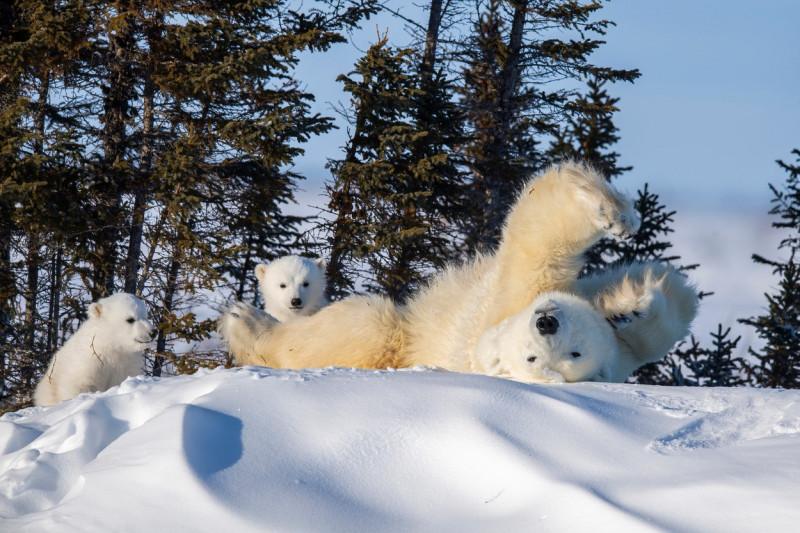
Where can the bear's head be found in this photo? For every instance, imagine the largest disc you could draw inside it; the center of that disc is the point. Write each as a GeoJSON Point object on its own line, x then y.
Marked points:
{"type": "Point", "coordinates": [292, 286]}
{"type": "Point", "coordinates": [119, 323]}
{"type": "Point", "coordinates": [560, 337]}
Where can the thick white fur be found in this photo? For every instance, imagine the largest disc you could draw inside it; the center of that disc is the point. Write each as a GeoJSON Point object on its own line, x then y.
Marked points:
{"type": "Point", "coordinates": [554, 219]}
{"type": "Point", "coordinates": [292, 286]}
{"type": "Point", "coordinates": [613, 323]}
{"type": "Point", "coordinates": [107, 348]}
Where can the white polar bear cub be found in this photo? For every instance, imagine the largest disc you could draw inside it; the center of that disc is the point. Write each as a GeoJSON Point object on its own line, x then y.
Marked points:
{"type": "Point", "coordinates": [107, 348]}
{"type": "Point", "coordinates": [292, 286]}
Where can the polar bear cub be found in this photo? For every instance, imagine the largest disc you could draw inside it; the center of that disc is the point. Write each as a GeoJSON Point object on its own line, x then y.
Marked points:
{"type": "Point", "coordinates": [292, 286]}
{"type": "Point", "coordinates": [107, 348]}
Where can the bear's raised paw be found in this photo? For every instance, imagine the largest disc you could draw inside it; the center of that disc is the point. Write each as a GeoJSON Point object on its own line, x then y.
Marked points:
{"type": "Point", "coordinates": [614, 212]}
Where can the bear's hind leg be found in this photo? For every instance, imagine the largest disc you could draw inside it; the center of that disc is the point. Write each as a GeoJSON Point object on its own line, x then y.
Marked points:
{"type": "Point", "coordinates": [241, 326]}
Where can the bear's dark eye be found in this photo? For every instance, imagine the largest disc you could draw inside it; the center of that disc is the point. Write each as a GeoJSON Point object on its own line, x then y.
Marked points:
{"type": "Point", "coordinates": [131, 320]}
{"type": "Point", "coordinates": [283, 285]}
{"type": "Point", "coordinates": [532, 359]}
{"type": "Point", "coordinates": [575, 354]}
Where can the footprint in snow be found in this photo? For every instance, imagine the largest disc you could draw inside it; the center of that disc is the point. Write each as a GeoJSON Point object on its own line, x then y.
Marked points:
{"type": "Point", "coordinates": [750, 420]}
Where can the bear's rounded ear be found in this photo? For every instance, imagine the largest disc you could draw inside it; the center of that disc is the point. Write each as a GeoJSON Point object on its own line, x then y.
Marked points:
{"type": "Point", "coordinates": [95, 310]}
{"type": "Point", "coordinates": [261, 271]}
{"type": "Point", "coordinates": [321, 263]}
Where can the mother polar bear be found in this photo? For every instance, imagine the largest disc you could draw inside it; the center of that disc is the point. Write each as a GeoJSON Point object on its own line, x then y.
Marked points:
{"type": "Point", "coordinates": [520, 312]}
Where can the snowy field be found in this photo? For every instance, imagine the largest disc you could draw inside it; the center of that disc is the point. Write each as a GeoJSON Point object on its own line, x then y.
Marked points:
{"type": "Point", "coordinates": [255, 449]}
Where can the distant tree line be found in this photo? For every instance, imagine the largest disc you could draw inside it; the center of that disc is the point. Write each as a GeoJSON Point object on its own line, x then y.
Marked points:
{"type": "Point", "coordinates": [149, 147]}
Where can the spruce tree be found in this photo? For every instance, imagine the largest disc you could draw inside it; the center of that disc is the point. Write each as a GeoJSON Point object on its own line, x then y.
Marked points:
{"type": "Point", "coordinates": [387, 233]}
{"type": "Point", "coordinates": [650, 243]}
{"type": "Point", "coordinates": [777, 363]}
{"type": "Point", "coordinates": [436, 112]}
{"type": "Point", "coordinates": [10, 138]}
{"type": "Point", "coordinates": [511, 102]}
{"type": "Point", "coordinates": [167, 152]}
{"type": "Point", "coordinates": [589, 132]}
{"type": "Point", "coordinates": [235, 119]}
{"type": "Point", "coordinates": [9, 147]}
{"type": "Point", "coordinates": [41, 191]}
{"type": "Point", "coordinates": [709, 367]}
{"type": "Point", "coordinates": [500, 151]}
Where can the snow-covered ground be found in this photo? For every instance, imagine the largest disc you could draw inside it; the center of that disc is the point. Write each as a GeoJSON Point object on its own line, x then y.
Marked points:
{"type": "Point", "coordinates": [255, 449]}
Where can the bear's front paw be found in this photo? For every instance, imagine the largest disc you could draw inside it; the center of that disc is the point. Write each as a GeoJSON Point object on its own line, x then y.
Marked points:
{"type": "Point", "coordinates": [633, 300]}
{"type": "Point", "coordinates": [623, 320]}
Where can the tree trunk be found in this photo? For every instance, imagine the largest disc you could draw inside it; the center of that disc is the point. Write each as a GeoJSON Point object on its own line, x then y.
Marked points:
{"type": "Point", "coordinates": [342, 204]}
{"type": "Point", "coordinates": [55, 300]}
{"type": "Point", "coordinates": [431, 41]}
{"type": "Point", "coordinates": [497, 188]}
{"type": "Point", "coordinates": [31, 301]}
{"type": "Point", "coordinates": [33, 256]}
{"type": "Point", "coordinates": [7, 293]}
{"type": "Point", "coordinates": [511, 73]}
{"type": "Point", "coordinates": [248, 261]}
{"type": "Point", "coordinates": [8, 90]}
{"type": "Point", "coordinates": [169, 296]}
{"type": "Point", "coordinates": [133, 262]}
{"type": "Point", "coordinates": [119, 90]}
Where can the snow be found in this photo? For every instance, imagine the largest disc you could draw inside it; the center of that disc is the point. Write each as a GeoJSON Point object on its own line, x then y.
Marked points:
{"type": "Point", "coordinates": [256, 449]}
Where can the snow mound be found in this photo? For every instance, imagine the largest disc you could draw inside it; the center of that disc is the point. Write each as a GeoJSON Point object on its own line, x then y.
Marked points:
{"type": "Point", "coordinates": [256, 449]}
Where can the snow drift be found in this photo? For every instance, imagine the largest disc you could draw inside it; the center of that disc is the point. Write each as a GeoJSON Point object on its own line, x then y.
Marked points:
{"type": "Point", "coordinates": [255, 449]}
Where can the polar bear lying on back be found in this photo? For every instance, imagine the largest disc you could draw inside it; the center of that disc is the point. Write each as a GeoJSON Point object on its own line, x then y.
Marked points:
{"type": "Point", "coordinates": [484, 316]}
{"type": "Point", "coordinates": [107, 348]}
{"type": "Point", "coordinates": [612, 324]}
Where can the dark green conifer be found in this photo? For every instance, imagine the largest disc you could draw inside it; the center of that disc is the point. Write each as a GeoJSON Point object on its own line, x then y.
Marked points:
{"type": "Point", "coordinates": [777, 363]}
{"type": "Point", "coordinates": [589, 132]}
{"type": "Point", "coordinates": [165, 159]}
{"type": "Point", "coordinates": [712, 367]}
{"type": "Point", "coordinates": [650, 243]}
{"type": "Point", "coordinates": [510, 101]}
{"type": "Point", "coordinates": [388, 232]}
{"type": "Point", "coordinates": [42, 173]}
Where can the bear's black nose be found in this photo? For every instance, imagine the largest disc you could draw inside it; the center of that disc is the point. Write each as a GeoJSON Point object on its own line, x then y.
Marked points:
{"type": "Point", "coordinates": [297, 302]}
{"type": "Point", "coordinates": [547, 325]}
{"type": "Point", "coordinates": [153, 333]}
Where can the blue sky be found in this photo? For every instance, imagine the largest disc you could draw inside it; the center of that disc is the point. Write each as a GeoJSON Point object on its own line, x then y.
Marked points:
{"type": "Point", "coordinates": [717, 103]}
{"type": "Point", "coordinates": [719, 97]}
